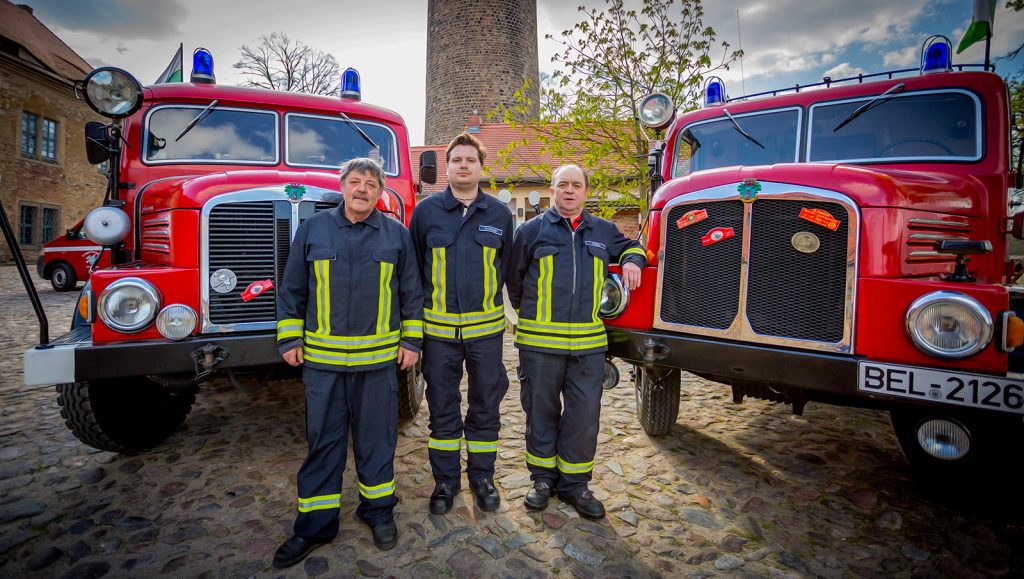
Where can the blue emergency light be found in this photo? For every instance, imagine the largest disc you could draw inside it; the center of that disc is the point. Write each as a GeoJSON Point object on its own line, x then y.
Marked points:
{"type": "Point", "coordinates": [202, 67]}
{"type": "Point", "coordinates": [350, 84]}
{"type": "Point", "coordinates": [936, 55]}
{"type": "Point", "coordinates": [714, 92]}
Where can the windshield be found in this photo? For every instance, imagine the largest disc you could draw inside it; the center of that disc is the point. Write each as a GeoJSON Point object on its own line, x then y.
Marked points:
{"type": "Point", "coordinates": [917, 126]}
{"type": "Point", "coordinates": [717, 143]}
{"type": "Point", "coordinates": [224, 136]}
{"type": "Point", "coordinates": [327, 142]}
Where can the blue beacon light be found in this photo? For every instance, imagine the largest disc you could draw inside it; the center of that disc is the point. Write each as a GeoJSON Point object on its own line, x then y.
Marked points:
{"type": "Point", "coordinates": [936, 56]}
{"type": "Point", "coordinates": [202, 67]}
{"type": "Point", "coordinates": [714, 92]}
{"type": "Point", "coordinates": [350, 84]}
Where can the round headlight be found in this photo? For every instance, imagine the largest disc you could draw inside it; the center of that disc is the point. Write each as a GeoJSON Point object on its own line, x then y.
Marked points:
{"type": "Point", "coordinates": [113, 92]}
{"type": "Point", "coordinates": [129, 304]}
{"type": "Point", "coordinates": [949, 325]}
{"type": "Point", "coordinates": [656, 110]}
{"type": "Point", "coordinates": [944, 439]}
{"type": "Point", "coordinates": [176, 321]}
{"type": "Point", "coordinates": [106, 225]}
{"type": "Point", "coordinates": [614, 297]}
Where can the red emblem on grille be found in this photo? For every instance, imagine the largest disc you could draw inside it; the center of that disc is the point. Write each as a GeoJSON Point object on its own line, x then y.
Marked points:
{"type": "Point", "coordinates": [820, 217]}
{"type": "Point", "coordinates": [717, 234]}
{"type": "Point", "coordinates": [692, 217]}
{"type": "Point", "coordinates": [256, 288]}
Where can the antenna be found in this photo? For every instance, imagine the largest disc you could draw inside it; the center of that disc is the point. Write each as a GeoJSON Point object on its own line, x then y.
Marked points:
{"type": "Point", "coordinates": [743, 85]}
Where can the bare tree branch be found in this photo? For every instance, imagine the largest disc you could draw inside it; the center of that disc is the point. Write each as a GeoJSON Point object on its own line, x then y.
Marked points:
{"type": "Point", "coordinates": [278, 62]}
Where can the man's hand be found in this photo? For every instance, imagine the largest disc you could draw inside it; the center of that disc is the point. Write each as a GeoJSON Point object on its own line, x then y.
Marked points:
{"type": "Point", "coordinates": [407, 358]}
{"type": "Point", "coordinates": [631, 275]}
{"type": "Point", "coordinates": [294, 356]}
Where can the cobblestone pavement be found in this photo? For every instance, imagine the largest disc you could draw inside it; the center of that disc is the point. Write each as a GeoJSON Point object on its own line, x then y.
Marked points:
{"type": "Point", "coordinates": [734, 490]}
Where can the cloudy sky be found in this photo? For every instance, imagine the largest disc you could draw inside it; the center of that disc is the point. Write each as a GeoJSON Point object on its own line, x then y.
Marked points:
{"type": "Point", "coordinates": [785, 41]}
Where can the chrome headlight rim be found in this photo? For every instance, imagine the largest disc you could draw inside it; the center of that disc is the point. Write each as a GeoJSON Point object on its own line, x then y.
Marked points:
{"type": "Point", "coordinates": [615, 312]}
{"type": "Point", "coordinates": [670, 111]}
{"type": "Point", "coordinates": [137, 282]}
{"type": "Point", "coordinates": [919, 305]}
{"type": "Point", "coordinates": [165, 312]}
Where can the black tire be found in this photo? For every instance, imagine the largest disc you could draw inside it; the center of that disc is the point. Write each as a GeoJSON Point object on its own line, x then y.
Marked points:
{"type": "Point", "coordinates": [127, 415]}
{"type": "Point", "coordinates": [657, 400]}
{"type": "Point", "coordinates": [411, 385]}
{"type": "Point", "coordinates": [62, 277]}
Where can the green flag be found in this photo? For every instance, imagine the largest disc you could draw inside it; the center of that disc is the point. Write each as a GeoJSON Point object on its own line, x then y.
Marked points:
{"type": "Point", "coordinates": [981, 24]}
{"type": "Point", "coordinates": [173, 71]}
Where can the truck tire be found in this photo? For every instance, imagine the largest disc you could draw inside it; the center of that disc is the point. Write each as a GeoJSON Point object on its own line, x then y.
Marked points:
{"type": "Point", "coordinates": [410, 393]}
{"type": "Point", "coordinates": [657, 399]}
{"type": "Point", "coordinates": [62, 277]}
{"type": "Point", "coordinates": [127, 415]}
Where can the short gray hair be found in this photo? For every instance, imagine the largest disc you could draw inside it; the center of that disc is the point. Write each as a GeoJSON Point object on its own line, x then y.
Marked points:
{"type": "Point", "coordinates": [586, 178]}
{"type": "Point", "coordinates": [363, 165]}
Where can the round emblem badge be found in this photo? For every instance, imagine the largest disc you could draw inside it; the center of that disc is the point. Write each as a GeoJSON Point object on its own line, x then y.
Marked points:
{"type": "Point", "coordinates": [805, 242]}
{"type": "Point", "coordinates": [717, 235]}
{"type": "Point", "coordinates": [223, 280]}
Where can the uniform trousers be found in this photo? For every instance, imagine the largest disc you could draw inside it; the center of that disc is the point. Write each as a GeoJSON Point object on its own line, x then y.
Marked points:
{"type": "Point", "coordinates": [561, 395]}
{"type": "Point", "coordinates": [368, 402]}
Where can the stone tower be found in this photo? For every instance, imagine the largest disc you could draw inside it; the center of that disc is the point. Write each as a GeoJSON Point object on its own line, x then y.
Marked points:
{"type": "Point", "coordinates": [479, 52]}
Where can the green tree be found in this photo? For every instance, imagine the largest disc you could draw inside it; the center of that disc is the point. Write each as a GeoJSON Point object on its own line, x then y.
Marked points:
{"type": "Point", "coordinates": [607, 63]}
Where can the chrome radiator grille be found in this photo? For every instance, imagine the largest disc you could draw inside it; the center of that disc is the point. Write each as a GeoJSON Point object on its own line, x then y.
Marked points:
{"type": "Point", "coordinates": [780, 279]}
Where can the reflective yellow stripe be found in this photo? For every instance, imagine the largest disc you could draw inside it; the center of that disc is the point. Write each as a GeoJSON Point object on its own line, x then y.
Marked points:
{"type": "Point", "coordinates": [598, 287]}
{"type": "Point", "coordinates": [319, 503]}
{"type": "Point", "coordinates": [490, 277]}
{"type": "Point", "coordinates": [547, 265]}
{"type": "Point", "coordinates": [384, 299]}
{"type": "Point", "coordinates": [440, 269]}
{"type": "Point", "coordinates": [412, 329]}
{"type": "Point", "coordinates": [538, 461]}
{"type": "Point", "coordinates": [571, 328]}
{"type": "Point", "coordinates": [349, 359]}
{"type": "Point", "coordinates": [562, 344]}
{"type": "Point", "coordinates": [484, 329]}
{"type": "Point", "coordinates": [322, 269]}
{"type": "Point", "coordinates": [378, 491]}
{"type": "Point", "coordinates": [457, 319]}
{"type": "Point", "coordinates": [481, 446]}
{"type": "Point", "coordinates": [290, 328]}
{"type": "Point", "coordinates": [439, 331]}
{"type": "Point", "coordinates": [440, 444]}
{"type": "Point", "coordinates": [632, 251]}
{"type": "Point", "coordinates": [352, 342]}
{"type": "Point", "coordinates": [574, 467]}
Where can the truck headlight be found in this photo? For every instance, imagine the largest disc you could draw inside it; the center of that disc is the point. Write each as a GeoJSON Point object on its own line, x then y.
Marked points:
{"type": "Point", "coordinates": [949, 325]}
{"type": "Point", "coordinates": [614, 297]}
{"type": "Point", "coordinates": [129, 304]}
{"type": "Point", "coordinates": [176, 321]}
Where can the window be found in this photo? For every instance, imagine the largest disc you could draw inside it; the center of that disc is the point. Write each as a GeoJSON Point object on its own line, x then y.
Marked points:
{"type": "Point", "coordinates": [717, 142]}
{"type": "Point", "coordinates": [224, 135]}
{"type": "Point", "coordinates": [49, 140]}
{"type": "Point", "coordinates": [37, 224]}
{"type": "Point", "coordinates": [26, 225]}
{"type": "Point", "coordinates": [51, 217]}
{"type": "Point", "coordinates": [328, 142]}
{"type": "Point", "coordinates": [38, 137]}
{"type": "Point", "coordinates": [29, 134]}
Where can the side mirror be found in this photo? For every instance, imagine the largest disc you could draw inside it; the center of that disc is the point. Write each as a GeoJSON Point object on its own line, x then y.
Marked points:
{"type": "Point", "coordinates": [71, 234]}
{"type": "Point", "coordinates": [97, 146]}
{"type": "Point", "coordinates": [428, 167]}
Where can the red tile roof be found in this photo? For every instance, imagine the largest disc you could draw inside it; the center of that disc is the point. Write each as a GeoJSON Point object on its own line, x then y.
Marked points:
{"type": "Point", "coordinates": [48, 50]}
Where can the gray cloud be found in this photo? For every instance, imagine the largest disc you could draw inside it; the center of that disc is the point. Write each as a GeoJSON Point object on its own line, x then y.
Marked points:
{"type": "Point", "coordinates": [126, 19]}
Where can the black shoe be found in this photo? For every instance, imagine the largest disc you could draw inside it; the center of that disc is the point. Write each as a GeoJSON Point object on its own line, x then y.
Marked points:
{"type": "Point", "coordinates": [385, 535]}
{"type": "Point", "coordinates": [487, 498]}
{"type": "Point", "coordinates": [293, 551]}
{"type": "Point", "coordinates": [442, 498]}
{"type": "Point", "coordinates": [584, 502]}
{"type": "Point", "coordinates": [537, 497]}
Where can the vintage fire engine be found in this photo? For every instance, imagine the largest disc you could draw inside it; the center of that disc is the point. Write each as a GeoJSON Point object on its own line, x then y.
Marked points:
{"type": "Point", "coordinates": [844, 243]}
{"type": "Point", "coordinates": [207, 186]}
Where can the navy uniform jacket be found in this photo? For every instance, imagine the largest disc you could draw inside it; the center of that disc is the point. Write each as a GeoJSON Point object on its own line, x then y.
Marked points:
{"type": "Point", "coordinates": [556, 277]}
{"type": "Point", "coordinates": [463, 261]}
{"type": "Point", "coordinates": [351, 293]}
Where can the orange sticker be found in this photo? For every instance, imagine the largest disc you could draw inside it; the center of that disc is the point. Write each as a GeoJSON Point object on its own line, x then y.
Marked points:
{"type": "Point", "coordinates": [820, 217]}
{"type": "Point", "coordinates": [717, 234]}
{"type": "Point", "coordinates": [692, 217]}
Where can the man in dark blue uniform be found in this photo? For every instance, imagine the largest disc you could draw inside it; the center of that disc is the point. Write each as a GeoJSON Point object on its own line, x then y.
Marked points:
{"type": "Point", "coordinates": [349, 309]}
{"type": "Point", "coordinates": [559, 262]}
{"type": "Point", "coordinates": [463, 240]}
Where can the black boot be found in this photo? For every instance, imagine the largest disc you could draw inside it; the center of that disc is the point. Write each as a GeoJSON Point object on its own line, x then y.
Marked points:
{"type": "Point", "coordinates": [487, 498]}
{"type": "Point", "coordinates": [293, 551]}
{"type": "Point", "coordinates": [584, 502]}
{"type": "Point", "coordinates": [443, 496]}
{"type": "Point", "coordinates": [385, 535]}
{"type": "Point", "coordinates": [537, 497]}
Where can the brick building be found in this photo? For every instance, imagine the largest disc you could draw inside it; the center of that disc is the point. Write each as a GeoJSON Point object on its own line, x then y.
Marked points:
{"type": "Point", "coordinates": [46, 184]}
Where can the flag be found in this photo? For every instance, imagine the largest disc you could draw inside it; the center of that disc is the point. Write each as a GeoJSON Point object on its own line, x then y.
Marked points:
{"type": "Point", "coordinates": [173, 71]}
{"type": "Point", "coordinates": [981, 24]}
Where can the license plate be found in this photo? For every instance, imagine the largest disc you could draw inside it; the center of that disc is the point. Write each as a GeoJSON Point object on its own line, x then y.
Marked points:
{"type": "Point", "coordinates": [973, 390]}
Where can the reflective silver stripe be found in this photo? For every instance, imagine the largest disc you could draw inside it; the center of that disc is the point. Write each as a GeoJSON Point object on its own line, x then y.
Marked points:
{"type": "Point", "coordinates": [353, 341]}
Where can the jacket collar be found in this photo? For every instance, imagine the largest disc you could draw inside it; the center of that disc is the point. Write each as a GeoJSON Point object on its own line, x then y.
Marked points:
{"type": "Point", "coordinates": [554, 216]}
{"type": "Point", "coordinates": [373, 220]}
{"type": "Point", "coordinates": [450, 202]}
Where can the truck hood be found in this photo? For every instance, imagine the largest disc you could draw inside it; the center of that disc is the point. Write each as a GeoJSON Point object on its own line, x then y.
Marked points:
{"type": "Point", "coordinates": [944, 192]}
{"type": "Point", "coordinates": [195, 191]}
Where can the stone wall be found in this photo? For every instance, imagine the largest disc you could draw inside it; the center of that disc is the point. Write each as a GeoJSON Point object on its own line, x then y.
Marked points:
{"type": "Point", "coordinates": [479, 52]}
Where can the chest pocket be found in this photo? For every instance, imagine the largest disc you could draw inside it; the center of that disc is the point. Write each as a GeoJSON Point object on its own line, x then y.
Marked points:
{"type": "Point", "coordinates": [545, 258]}
{"type": "Point", "coordinates": [490, 244]}
{"type": "Point", "coordinates": [386, 259]}
{"type": "Point", "coordinates": [321, 261]}
{"type": "Point", "coordinates": [438, 243]}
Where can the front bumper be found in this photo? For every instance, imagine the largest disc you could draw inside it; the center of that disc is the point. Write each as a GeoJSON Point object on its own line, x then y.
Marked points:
{"type": "Point", "coordinates": [74, 358]}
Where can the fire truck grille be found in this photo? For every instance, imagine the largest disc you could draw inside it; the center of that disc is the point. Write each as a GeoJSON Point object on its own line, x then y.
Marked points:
{"type": "Point", "coordinates": [702, 283]}
{"type": "Point", "coordinates": [242, 239]}
{"type": "Point", "coordinates": [793, 293]}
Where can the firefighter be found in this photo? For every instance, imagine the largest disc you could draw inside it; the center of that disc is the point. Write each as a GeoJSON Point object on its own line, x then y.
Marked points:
{"type": "Point", "coordinates": [349, 309]}
{"type": "Point", "coordinates": [559, 262]}
{"type": "Point", "coordinates": [463, 241]}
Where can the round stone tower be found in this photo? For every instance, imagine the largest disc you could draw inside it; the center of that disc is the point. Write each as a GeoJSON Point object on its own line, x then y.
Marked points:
{"type": "Point", "coordinates": [479, 52]}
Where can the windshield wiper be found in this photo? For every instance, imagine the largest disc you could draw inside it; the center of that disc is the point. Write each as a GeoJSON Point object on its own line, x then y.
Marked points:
{"type": "Point", "coordinates": [362, 134]}
{"type": "Point", "coordinates": [740, 129]}
{"type": "Point", "coordinates": [864, 107]}
{"type": "Point", "coordinates": [202, 115]}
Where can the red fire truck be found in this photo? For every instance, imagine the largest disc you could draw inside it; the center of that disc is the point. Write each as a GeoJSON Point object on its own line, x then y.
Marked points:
{"type": "Point", "coordinates": [844, 243]}
{"type": "Point", "coordinates": [207, 185]}
{"type": "Point", "coordinates": [67, 260]}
